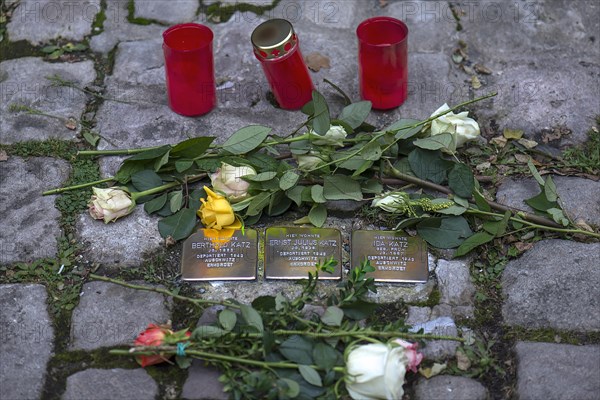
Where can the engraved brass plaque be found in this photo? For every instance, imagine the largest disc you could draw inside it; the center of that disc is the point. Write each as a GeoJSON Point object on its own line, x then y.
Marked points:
{"type": "Point", "coordinates": [291, 253]}
{"type": "Point", "coordinates": [207, 258]}
{"type": "Point", "coordinates": [395, 256]}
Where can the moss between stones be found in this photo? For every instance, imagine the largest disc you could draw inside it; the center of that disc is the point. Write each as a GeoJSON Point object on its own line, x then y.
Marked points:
{"type": "Point", "coordinates": [551, 336]}
{"type": "Point", "coordinates": [138, 21]}
{"type": "Point", "coordinates": [432, 301]}
{"type": "Point", "coordinates": [98, 24]}
{"type": "Point", "coordinates": [217, 12]}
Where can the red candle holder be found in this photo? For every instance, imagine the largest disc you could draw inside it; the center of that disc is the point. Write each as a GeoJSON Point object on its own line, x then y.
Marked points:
{"type": "Point", "coordinates": [189, 69]}
{"type": "Point", "coordinates": [383, 61]}
{"type": "Point", "coordinates": [277, 48]}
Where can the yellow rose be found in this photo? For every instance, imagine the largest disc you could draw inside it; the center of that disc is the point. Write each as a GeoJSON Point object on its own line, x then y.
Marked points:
{"type": "Point", "coordinates": [216, 212]}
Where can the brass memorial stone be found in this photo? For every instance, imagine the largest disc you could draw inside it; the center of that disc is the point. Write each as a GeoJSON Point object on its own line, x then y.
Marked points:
{"type": "Point", "coordinates": [207, 258]}
{"type": "Point", "coordinates": [395, 256]}
{"type": "Point", "coordinates": [290, 253]}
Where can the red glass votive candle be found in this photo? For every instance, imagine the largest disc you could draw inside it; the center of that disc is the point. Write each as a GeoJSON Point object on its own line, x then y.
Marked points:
{"type": "Point", "coordinates": [383, 61]}
{"type": "Point", "coordinates": [276, 47]}
{"type": "Point", "coordinates": [189, 69]}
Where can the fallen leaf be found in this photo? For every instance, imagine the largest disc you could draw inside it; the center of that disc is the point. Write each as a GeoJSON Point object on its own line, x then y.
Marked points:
{"type": "Point", "coordinates": [3, 155]}
{"type": "Point", "coordinates": [315, 61]}
{"type": "Point", "coordinates": [462, 361]}
{"type": "Point", "coordinates": [457, 58]}
{"type": "Point", "coordinates": [475, 82]}
{"type": "Point", "coordinates": [522, 158]}
{"type": "Point", "coordinates": [581, 224]}
{"type": "Point", "coordinates": [383, 3]}
{"type": "Point", "coordinates": [169, 241]}
{"type": "Point", "coordinates": [482, 69]}
{"type": "Point", "coordinates": [71, 123]}
{"type": "Point", "coordinates": [512, 133]}
{"type": "Point", "coordinates": [529, 144]}
{"type": "Point", "coordinates": [523, 246]}
{"type": "Point", "coordinates": [499, 141]}
{"type": "Point", "coordinates": [434, 370]}
{"type": "Point", "coordinates": [555, 134]}
{"type": "Point", "coordinates": [467, 69]}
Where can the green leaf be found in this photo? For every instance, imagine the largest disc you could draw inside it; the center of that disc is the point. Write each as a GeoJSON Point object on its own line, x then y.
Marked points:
{"type": "Point", "coordinates": [288, 180]}
{"type": "Point", "coordinates": [325, 356]}
{"type": "Point", "coordinates": [295, 194]}
{"type": "Point", "coordinates": [160, 161]}
{"type": "Point", "coordinates": [452, 210]}
{"type": "Point", "coordinates": [262, 177]}
{"type": "Point", "coordinates": [371, 151]}
{"type": "Point", "coordinates": [558, 216]}
{"type": "Point", "coordinates": [257, 204]}
{"type": "Point", "coordinates": [178, 226]}
{"type": "Point", "coordinates": [194, 198]}
{"type": "Point", "coordinates": [472, 242]}
{"type": "Point", "coordinates": [156, 204]}
{"type": "Point", "coordinates": [246, 139]}
{"type": "Point", "coordinates": [371, 186]}
{"type": "Point", "coordinates": [535, 172]}
{"type": "Point", "coordinates": [403, 128]}
{"type": "Point", "coordinates": [207, 332]}
{"type": "Point", "coordinates": [429, 165]}
{"type": "Point", "coordinates": [318, 215]}
{"type": "Point", "coordinates": [183, 165]}
{"type": "Point", "coordinates": [176, 201]}
{"type": "Point", "coordinates": [316, 192]}
{"type": "Point", "coordinates": [227, 319]}
{"type": "Point", "coordinates": [355, 113]}
{"type": "Point", "coordinates": [541, 203]}
{"type": "Point", "coordinates": [192, 148]}
{"type": "Point", "coordinates": [321, 121]}
{"type": "Point", "coordinates": [91, 137]}
{"type": "Point", "coordinates": [461, 201]}
{"type": "Point", "coordinates": [310, 375]}
{"type": "Point", "coordinates": [183, 362]}
{"type": "Point", "coordinates": [333, 316]}
{"type": "Point", "coordinates": [263, 162]}
{"type": "Point", "coordinates": [55, 54]}
{"type": "Point", "coordinates": [359, 309]}
{"type": "Point", "coordinates": [461, 180]}
{"type": "Point", "coordinates": [503, 224]}
{"type": "Point", "coordinates": [550, 189]}
{"type": "Point", "coordinates": [444, 233]}
{"type": "Point", "coordinates": [481, 202]}
{"type": "Point", "coordinates": [264, 303]}
{"type": "Point", "coordinates": [145, 179]}
{"type": "Point", "coordinates": [290, 388]}
{"type": "Point", "coordinates": [278, 204]}
{"type": "Point", "coordinates": [297, 349]}
{"type": "Point", "coordinates": [362, 168]}
{"type": "Point", "coordinates": [50, 49]}
{"type": "Point", "coordinates": [435, 142]}
{"type": "Point", "coordinates": [150, 154]}
{"type": "Point", "coordinates": [341, 187]}
{"type": "Point", "coordinates": [252, 317]}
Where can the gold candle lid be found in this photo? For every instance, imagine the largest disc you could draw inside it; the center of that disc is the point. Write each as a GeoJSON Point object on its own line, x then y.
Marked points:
{"type": "Point", "coordinates": [273, 39]}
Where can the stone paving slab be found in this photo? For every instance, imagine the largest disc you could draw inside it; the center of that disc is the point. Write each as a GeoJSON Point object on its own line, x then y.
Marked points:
{"type": "Point", "coordinates": [26, 336]}
{"type": "Point", "coordinates": [110, 315]}
{"type": "Point", "coordinates": [104, 384]}
{"type": "Point", "coordinates": [202, 383]}
{"type": "Point", "coordinates": [554, 285]}
{"type": "Point", "coordinates": [169, 12]}
{"type": "Point", "coordinates": [445, 387]}
{"type": "Point", "coordinates": [117, 29]}
{"type": "Point", "coordinates": [579, 196]}
{"type": "Point", "coordinates": [25, 235]}
{"type": "Point", "coordinates": [557, 371]}
{"type": "Point", "coordinates": [121, 243]}
{"type": "Point", "coordinates": [39, 21]}
{"type": "Point", "coordinates": [23, 82]}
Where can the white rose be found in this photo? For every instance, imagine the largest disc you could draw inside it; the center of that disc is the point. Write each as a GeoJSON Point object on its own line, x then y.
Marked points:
{"type": "Point", "coordinates": [459, 125]}
{"type": "Point", "coordinates": [308, 162]}
{"type": "Point", "coordinates": [228, 180]}
{"type": "Point", "coordinates": [110, 204]}
{"type": "Point", "coordinates": [393, 202]}
{"type": "Point", "coordinates": [376, 371]}
{"type": "Point", "coordinates": [334, 137]}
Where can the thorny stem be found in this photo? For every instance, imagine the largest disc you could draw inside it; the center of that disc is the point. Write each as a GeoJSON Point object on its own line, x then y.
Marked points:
{"type": "Point", "coordinates": [75, 187]}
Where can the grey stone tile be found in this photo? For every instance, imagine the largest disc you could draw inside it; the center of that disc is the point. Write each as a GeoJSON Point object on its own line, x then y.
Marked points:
{"type": "Point", "coordinates": [554, 285]}
{"type": "Point", "coordinates": [202, 383]}
{"type": "Point", "coordinates": [455, 283]}
{"type": "Point", "coordinates": [44, 20]}
{"type": "Point", "coordinates": [26, 337]}
{"type": "Point", "coordinates": [102, 384]}
{"type": "Point", "coordinates": [110, 315]}
{"type": "Point", "coordinates": [169, 12]}
{"type": "Point", "coordinates": [578, 196]}
{"type": "Point", "coordinates": [23, 82]}
{"type": "Point", "coordinates": [445, 387]}
{"type": "Point", "coordinates": [122, 243]}
{"type": "Point", "coordinates": [557, 371]}
{"type": "Point", "coordinates": [30, 221]}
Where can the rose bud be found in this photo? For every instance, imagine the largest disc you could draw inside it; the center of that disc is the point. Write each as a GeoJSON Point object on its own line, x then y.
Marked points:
{"type": "Point", "coordinates": [228, 180]}
{"type": "Point", "coordinates": [216, 212]}
{"type": "Point", "coordinates": [459, 125]}
{"type": "Point", "coordinates": [154, 335]}
{"type": "Point", "coordinates": [110, 204]}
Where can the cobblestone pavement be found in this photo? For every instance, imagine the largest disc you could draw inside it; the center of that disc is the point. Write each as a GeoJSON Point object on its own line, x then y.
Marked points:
{"type": "Point", "coordinates": [544, 61]}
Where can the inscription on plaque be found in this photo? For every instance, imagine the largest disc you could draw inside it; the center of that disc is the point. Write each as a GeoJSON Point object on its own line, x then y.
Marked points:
{"type": "Point", "coordinates": [395, 256]}
{"type": "Point", "coordinates": [291, 253]}
{"type": "Point", "coordinates": [207, 256]}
